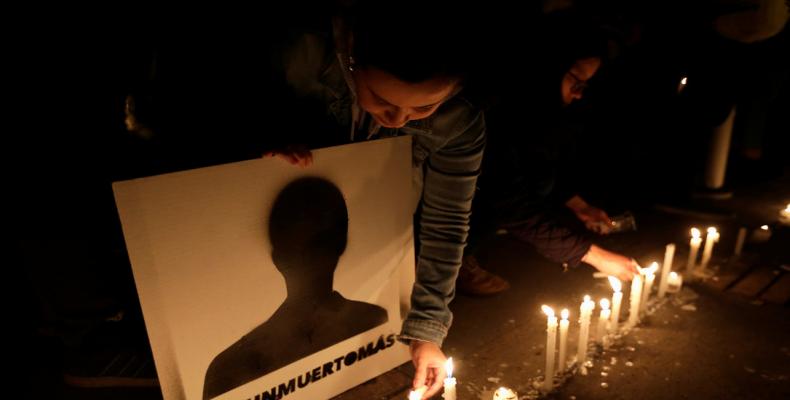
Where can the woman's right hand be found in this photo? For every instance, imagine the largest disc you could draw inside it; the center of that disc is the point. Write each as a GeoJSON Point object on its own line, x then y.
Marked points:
{"type": "Point", "coordinates": [296, 154]}
{"type": "Point", "coordinates": [611, 263]}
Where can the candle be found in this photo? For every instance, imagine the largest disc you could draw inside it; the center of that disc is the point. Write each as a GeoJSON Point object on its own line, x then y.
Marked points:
{"type": "Point", "coordinates": [617, 300]}
{"type": "Point", "coordinates": [563, 337]}
{"type": "Point", "coordinates": [682, 84]}
{"type": "Point", "coordinates": [417, 394]}
{"type": "Point", "coordinates": [675, 282]}
{"type": "Point", "coordinates": [669, 256]}
{"type": "Point", "coordinates": [504, 393]}
{"type": "Point", "coordinates": [707, 252]}
{"type": "Point", "coordinates": [740, 241]}
{"type": "Point", "coordinates": [551, 338]}
{"type": "Point", "coordinates": [449, 382]}
{"type": "Point", "coordinates": [762, 234]}
{"type": "Point", "coordinates": [603, 319]}
{"type": "Point", "coordinates": [650, 276]}
{"type": "Point", "coordinates": [696, 240]}
{"type": "Point", "coordinates": [584, 328]}
{"type": "Point", "coordinates": [634, 299]}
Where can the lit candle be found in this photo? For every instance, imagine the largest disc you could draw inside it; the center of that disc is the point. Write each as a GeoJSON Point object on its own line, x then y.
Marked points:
{"type": "Point", "coordinates": [449, 382]}
{"type": "Point", "coordinates": [696, 240]}
{"type": "Point", "coordinates": [634, 299]}
{"type": "Point", "coordinates": [682, 84]}
{"type": "Point", "coordinates": [762, 234]}
{"type": "Point", "coordinates": [584, 328]}
{"type": "Point", "coordinates": [563, 338]}
{"type": "Point", "coordinates": [650, 276]}
{"type": "Point", "coordinates": [603, 319]}
{"type": "Point", "coordinates": [504, 393]}
{"type": "Point", "coordinates": [669, 256]}
{"type": "Point", "coordinates": [784, 216]}
{"type": "Point", "coordinates": [707, 252]}
{"type": "Point", "coordinates": [417, 394]}
{"type": "Point", "coordinates": [617, 300]}
{"type": "Point", "coordinates": [740, 241]}
{"type": "Point", "coordinates": [551, 339]}
{"type": "Point", "coordinates": [675, 282]}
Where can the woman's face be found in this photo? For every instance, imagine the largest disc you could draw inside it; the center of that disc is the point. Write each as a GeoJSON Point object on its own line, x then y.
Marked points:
{"type": "Point", "coordinates": [393, 102]}
{"type": "Point", "coordinates": [575, 80]}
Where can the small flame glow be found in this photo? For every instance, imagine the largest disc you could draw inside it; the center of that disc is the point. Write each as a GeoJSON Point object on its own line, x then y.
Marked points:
{"type": "Point", "coordinates": [547, 310]}
{"type": "Point", "coordinates": [695, 233]}
{"type": "Point", "coordinates": [417, 393]}
{"type": "Point", "coordinates": [587, 298]}
{"type": "Point", "coordinates": [673, 275]}
{"type": "Point", "coordinates": [683, 81]}
{"type": "Point", "coordinates": [604, 304]}
{"type": "Point", "coordinates": [788, 207]}
{"type": "Point", "coordinates": [711, 230]}
{"type": "Point", "coordinates": [616, 284]}
{"type": "Point", "coordinates": [764, 227]}
{"type": "Point", "coordinates": [504, 393]}
{"type": "Point", "coordinates": [448, 367]}
{"type": "Point", "coordinates": [651, 269]}
{"type": "Point", "coordinates": [565, 313]}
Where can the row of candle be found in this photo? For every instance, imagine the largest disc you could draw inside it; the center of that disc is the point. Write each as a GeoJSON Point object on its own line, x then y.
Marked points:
{"type": "Point", "coordinates": [608, 320]}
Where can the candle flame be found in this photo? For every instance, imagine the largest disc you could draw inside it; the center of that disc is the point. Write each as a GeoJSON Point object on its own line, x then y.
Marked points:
{"type": "Point", "coordinates": [616, 284]}
{"type": "Point", "coordinates": [504, 393]}
{"type": "Point", "coordinates": [604, 304]}
{"type": "Point", "coordinates": [586, 298]}
{"type": "Point", "coordinates": [764, 227]}
{"type": "Point", "coordinates": [448, 367]}
{"type": "Point", "coordinates": [673, 275]}
{"type": "Point", "coordinates": [416, 394]}
{"type": "Point", "coordinates": [695, 233]}
{"type": "Point", "coordinates": [788, 207]}
{"type": "Point", "coordinates": [711, 230]}
{"type": "Point", "coordinates": [547, 310]}
{"type": "Point", "coordinates": [565, 313]}
{"type": "Point", "coordinates": [651, 269]}
{"type": "Point", "coordinates": [683, 81]}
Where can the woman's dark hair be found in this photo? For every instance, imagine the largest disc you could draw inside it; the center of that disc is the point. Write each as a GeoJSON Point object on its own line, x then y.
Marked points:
{"type": "Point", "coordinates": [413, 40]}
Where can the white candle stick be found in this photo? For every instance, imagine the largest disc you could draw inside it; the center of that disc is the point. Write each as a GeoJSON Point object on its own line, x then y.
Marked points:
{"type": "Point", "coordinates": [449, 382]}
{"type": "Point", "coordinates": [634, 299]}
{"type": "Point", "coordinates": [584, 328]}
{"type": "Point", "coordinates": [740, 241]}
{"type": "Point", "coordinates": [675, 282]}
{"type": "Point", "coordinates": [504, 393]}
{"type": "Point", "coordinates": [603, 321]}
{"type": "Point", "coordinates": [650, 276]}
{"type": "Point", "coordinates": [707, 252]}
{"type": "Point", "coordinates": [417, 394]}
{"type": "Point", "coordinates": [617, 301]}
{"type": "Point", "coordinates": [563, 338]}
{"type": "Point", "coordinates": [669, 256]}
{"type": "Point", "coordinates": [551, 339]}
{"type": "Point", "coordinates": [696, 240]}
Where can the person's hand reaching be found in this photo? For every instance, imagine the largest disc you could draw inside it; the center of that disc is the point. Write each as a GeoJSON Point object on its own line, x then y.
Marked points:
{"type": "Point", "coordinates": [611, 263]}
{"type": "Point", "coordinates": [428, 361]}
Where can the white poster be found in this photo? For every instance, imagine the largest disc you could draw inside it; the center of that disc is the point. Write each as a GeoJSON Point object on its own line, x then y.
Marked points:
{"type": "Point", "coordinates": [263, 280]}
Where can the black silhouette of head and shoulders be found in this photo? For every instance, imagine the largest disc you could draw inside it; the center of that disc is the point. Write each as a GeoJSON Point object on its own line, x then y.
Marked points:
{"type": "Point", "coordinates": [308, 230]}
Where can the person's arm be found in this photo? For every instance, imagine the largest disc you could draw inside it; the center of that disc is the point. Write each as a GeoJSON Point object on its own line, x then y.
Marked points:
{"type": "Point", "coordinates": [559, 243]}
{"type": "Point", "coordinates": [450, 177]}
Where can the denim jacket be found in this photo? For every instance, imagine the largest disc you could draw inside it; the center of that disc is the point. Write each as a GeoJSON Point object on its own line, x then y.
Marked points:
{"type": "Point", "coordinates": [447, 155]}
